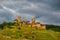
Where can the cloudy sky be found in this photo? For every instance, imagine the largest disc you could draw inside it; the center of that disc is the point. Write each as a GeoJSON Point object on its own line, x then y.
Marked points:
{"type": "Point", "coordinates": [44, 11]}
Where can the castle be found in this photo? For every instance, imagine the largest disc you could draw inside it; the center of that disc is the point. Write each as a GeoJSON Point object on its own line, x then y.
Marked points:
{"type": "Point", "coordinates": [29, 24]}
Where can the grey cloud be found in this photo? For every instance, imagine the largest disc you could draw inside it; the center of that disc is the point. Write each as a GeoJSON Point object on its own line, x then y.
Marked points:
{"type": "Point", "coordinates": [45, 11]}
{"type": "Point", "coordinates": [55, 4]}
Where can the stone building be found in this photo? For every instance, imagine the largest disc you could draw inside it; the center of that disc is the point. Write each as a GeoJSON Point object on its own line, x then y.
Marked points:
{"type": "Point", "coordinates": [37, 24]}
{"type": "Point", "coordinates": [33, 21]}
{"type": "Point", "coordinates": [28, 24]}
{"type": "Point", "coordinates": [15, 20]}
{"type": "Point", "coordinates": [19, 18]}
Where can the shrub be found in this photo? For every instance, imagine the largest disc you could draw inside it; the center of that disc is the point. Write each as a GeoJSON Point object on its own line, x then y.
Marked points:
{"type": "Point", "coordinates": [26, 36]}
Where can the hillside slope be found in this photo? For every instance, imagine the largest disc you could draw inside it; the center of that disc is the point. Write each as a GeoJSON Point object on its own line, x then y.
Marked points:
{"type": "Point", "coordinates": [10, 31]}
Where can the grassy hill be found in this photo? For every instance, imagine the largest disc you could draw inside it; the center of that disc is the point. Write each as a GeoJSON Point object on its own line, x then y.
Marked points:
{"type": "Point", "coordinates": [12, 31]}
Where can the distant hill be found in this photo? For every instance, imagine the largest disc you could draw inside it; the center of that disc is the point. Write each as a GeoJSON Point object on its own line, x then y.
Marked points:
{"type": "Point", "coordinates": [53, 27]}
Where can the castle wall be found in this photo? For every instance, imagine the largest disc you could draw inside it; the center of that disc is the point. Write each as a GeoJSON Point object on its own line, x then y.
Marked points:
{"type": "Point", "coordinates": [32, 24]}
{"type": "Point", "coordinates": [23, 24]}
{"type": "Point", "coordinates": [43, 27]}
{"type": "Point", "coordinates": [38, 25]}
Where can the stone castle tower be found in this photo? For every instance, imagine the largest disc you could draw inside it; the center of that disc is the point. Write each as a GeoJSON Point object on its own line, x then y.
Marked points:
{"type": "Point", "coordinates": [19, 18]}
{"type": "Point", "coordinates": [33, 21]}
{"type": "Point", "coordinates": [27, 23]}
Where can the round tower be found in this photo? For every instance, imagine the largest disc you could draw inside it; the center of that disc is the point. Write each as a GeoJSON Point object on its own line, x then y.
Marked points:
{"type": "Point", "coordinates": [33, 20]}
{"type": "Point", "coordinates": [19, 19]}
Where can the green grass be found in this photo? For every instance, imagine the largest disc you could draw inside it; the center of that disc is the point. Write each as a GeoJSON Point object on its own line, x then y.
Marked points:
{"type": "Point", "coordinates": [15, 32]}
{"type": "Point", "coordinates": [30, 34]}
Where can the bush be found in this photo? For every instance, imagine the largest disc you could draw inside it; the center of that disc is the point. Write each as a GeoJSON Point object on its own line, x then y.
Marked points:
{"type": "Point", "coordinates": [26, 36]}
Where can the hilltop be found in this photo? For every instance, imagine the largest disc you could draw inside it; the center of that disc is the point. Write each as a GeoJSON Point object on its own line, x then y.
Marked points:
{"type": "Point", "coordinates": [12, 31]}
{"type": "Point", "coordinates": [26, 30]}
